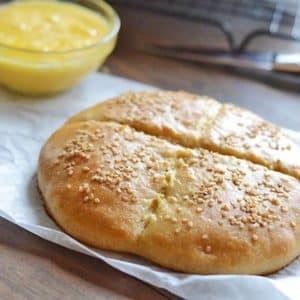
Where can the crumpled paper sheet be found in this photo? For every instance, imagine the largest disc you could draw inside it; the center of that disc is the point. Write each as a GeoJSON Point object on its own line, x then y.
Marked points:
{"type": "Point", "coordinates": [25, 124]}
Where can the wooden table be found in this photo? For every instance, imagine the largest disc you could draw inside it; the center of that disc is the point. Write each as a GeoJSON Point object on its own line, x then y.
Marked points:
{"type": "Point", "coordinates": [31, 268]}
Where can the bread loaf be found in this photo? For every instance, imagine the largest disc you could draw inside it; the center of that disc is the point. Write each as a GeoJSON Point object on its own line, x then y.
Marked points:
{"type": "Point", "coordinates": [167, 176]}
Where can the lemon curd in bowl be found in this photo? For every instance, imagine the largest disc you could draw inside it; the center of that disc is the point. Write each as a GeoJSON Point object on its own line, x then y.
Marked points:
{"type": "Point", "coordinates": [48, 46]}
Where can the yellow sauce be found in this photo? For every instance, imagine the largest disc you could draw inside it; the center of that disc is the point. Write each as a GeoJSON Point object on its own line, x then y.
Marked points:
{"type": "Point", "coordinates": [47, 46]}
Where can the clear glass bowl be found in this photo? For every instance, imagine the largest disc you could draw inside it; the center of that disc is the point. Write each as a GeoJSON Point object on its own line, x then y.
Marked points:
{"type": "Point", "coordinates": [39, 73]}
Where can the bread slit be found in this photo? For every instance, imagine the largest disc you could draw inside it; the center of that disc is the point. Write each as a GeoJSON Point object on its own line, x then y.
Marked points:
{"type": "Point", "coordinates": [201, 122]}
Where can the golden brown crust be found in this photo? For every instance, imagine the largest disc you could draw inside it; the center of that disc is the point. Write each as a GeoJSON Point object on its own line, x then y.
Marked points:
{"type": "Point", "coordinates": [199, 121]}
{"type": "Point", "coordinates": [177, 116]}
{"type": "Point", "coordinates": [115, 188]}
{"type": "Point", "coordinates": [243, 134]}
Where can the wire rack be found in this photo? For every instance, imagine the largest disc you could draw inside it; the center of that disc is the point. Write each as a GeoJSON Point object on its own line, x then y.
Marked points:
{"type": "Point", "coordinates": [276, 19]}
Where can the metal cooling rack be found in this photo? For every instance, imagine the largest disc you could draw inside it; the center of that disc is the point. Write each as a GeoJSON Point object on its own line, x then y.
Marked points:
{"type": "Point", "coordinates": [274, 18]}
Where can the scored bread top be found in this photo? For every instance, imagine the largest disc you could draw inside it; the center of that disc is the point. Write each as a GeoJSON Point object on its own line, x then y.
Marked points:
{"type": "Point", "coordinates": [199, 121]}
{"type": "Point", "coordinates": [115, 187]}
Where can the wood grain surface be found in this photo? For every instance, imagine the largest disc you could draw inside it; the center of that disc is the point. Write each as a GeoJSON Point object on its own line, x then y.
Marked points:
{"type": "Point", "coordinates": [31, 268]}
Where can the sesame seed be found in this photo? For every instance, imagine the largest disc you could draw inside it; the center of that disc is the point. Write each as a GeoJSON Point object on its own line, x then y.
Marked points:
{"type": "Point", "coordinates": [190, 224]}
{"type": "Point", "coordinates": [97, 200]}
{"type": "Point", "coordinates": [225, 207]}
{"type": "Point", "coordinates": [174, 220]}
{"type": "Point", "coordinates": [179, 209]}
{"type": "Point", "coordinates": [284, 209]}
{"type": "Point", "coordinates": [293, 224]}
{"type": "Point", "coordinates": [275, 201]}
{"type": "Point", "coordinates": [190, 202]}
{"type": "Point", "coordinates": [204, 236]}
{"type": "Point", "coordinates": [69, 185]}
{"type": "Point", "coordinates": [173, 199]}
{"type": "Point", "coordinates": [186, 197]}
{"type": "Point", "coordinates": [208, 249]}
{"type": "Point", "coordinates": [219, 180]}
{"type": "Point", "coordinates": [199, 209]}
{"type": "Point", "coordinates": [254, 237]}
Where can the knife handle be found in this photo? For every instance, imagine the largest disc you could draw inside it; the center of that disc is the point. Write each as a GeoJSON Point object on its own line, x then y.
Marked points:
{"type": "Point", "coordinates": [287, 63]}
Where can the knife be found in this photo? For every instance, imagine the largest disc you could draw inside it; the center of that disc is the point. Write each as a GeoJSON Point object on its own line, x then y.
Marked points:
{"type": "Point", "coordinates": [281, 67]}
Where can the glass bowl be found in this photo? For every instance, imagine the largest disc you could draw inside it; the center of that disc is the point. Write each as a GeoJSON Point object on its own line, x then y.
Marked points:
{"type": "Point", "coordinates": [38, 72]}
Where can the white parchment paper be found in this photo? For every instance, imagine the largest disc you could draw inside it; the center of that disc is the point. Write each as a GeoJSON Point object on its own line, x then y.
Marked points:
{"type": "Point", "coordinates": [25, 124]}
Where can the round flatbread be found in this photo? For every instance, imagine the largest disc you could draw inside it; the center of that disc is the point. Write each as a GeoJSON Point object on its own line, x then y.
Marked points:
{"type": "Point", "coordinates": [122, 183]}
